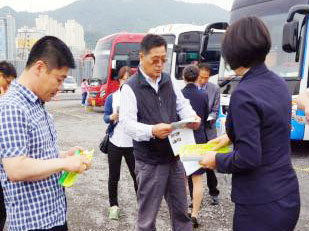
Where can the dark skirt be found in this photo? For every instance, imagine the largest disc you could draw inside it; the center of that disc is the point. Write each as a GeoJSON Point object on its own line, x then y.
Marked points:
{"type": "Point", "coordinates": [280, 215]}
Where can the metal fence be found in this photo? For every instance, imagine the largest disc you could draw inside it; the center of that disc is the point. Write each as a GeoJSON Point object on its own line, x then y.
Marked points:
{"type": "Point", "coordinates": [83, 69]}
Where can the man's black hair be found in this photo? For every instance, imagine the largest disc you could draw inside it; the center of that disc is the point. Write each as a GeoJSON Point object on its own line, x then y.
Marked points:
{"type": "Point", "coordinates": [55, 53]}
{"type": "Point", "coordinates": [205, 66]}
{"type": "Point", "coordinates": [191, 73]}
{"type": "Point", "coordinates": [7, 69]}
{"type": "Point", "coordinates": [151, 41]}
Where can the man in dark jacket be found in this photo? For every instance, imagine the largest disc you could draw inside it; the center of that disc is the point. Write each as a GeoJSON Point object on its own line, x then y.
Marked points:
{"type": "Point", "coordinates": [149, 104]}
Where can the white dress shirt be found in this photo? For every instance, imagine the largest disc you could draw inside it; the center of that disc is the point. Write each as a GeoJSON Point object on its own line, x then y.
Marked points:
{"type": "Point", "coordinates": [119, 137]}
{"type": "Point", "coordinates": [128, 110]}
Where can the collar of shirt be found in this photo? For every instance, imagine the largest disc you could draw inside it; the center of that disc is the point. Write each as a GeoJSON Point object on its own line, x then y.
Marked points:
{"type": "Point", "coordinates": [203, 87]}
{"type": "Point", "coordinates": [154, 85]}
{"type": "Point", "coordinates": [26, 92]}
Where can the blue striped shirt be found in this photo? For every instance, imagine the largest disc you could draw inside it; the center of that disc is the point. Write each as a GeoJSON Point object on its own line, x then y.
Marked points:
{"type": "Point", "coordinates": [26, 128]}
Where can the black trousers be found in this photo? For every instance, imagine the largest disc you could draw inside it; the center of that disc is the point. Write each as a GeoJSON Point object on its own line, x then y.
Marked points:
{"type": "Point", "coordinates": [115, 155]}
{"type": "Point", "coordinates": [56, 228]}
{"type": "Point", "coordinates": [2, 210]}
{"type": "Point", "coordinates": [212, 183]}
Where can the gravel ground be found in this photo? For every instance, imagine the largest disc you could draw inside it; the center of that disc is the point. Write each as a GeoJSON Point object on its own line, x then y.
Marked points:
{"type": "Point", "coordinates": [88, 199]}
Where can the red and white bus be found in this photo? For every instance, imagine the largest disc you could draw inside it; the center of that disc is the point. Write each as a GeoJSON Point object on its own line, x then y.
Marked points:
{"type": "Point", "coordinates": [111, 53]}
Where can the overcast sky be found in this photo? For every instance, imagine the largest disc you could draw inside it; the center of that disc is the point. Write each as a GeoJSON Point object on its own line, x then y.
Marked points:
{"type": "Point", "coordinates": [44, 5]}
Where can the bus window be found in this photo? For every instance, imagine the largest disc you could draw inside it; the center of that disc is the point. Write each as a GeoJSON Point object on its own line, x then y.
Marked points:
{"type": "Point", "coordinates": [189, 43]}
{"type": "Point", "coordinates": [122, 53]}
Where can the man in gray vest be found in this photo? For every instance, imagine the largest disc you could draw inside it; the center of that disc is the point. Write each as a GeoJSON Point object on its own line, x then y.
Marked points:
{"type": "Point", "coordinates": [149, 103]}
{"type": "Point", "coordinates": [213, 93]}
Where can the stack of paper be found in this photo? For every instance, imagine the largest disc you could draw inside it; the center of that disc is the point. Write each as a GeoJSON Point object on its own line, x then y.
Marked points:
{"type": "Point", "coordinates": [197, 151]}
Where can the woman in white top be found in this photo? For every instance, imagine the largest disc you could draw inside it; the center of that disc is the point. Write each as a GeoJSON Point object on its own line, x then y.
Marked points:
{"type": "Point", "coordinates": [120, 145]}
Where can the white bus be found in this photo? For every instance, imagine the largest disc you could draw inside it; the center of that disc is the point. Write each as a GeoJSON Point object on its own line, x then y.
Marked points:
{"type": "Point", "coordinates": [294, 70]}
{"type": "Point", "coordinates": [184, 46]}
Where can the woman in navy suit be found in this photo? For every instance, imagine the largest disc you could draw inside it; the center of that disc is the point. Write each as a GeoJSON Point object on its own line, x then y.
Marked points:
{"type": "Point", "coordinates": [265, 188]}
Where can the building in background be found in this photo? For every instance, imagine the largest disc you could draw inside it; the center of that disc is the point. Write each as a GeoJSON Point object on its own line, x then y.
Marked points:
{"type": "Point", "coordinates": [75, 37]}
{"type": "Point", "coordinates": [72, 33]}
{"type": "Point", "coordinates": [7, 37]}
{"type": "Point", "coordinates": [26, 38]}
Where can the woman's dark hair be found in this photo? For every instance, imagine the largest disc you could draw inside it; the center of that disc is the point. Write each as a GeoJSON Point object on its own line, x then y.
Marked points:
{"type": "Point", "coordinates": [51, 50]}
{"type": "Point", "coordinates": [191, 73]}
{"type": "Point", "coordinates": [84, 80]}
{"type": "Point", "coordinates": [123, 70]}
{"type": "Point", "coordinates": [246, 43]}
{"type": "Point", "coordinates": [205, 67]}
{"type": "Point", "coordinates": [151, 41]}
{"type": "Point", "coordinates": [7, 69]}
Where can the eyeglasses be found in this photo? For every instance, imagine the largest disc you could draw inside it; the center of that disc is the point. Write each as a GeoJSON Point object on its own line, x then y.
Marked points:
{"type": "Point", "coordinates": [156, 61]}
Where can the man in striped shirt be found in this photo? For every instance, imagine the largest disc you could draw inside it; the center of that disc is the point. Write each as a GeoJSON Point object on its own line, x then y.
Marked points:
{"type": "Point", "coordinates": [31, 161]}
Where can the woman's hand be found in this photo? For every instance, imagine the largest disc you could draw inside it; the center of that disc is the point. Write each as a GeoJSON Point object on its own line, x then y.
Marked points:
{"type": "Point", "coordinates": [209, 160]}
{"type": "Point", "coordinates": [114, 117]}
{"type": "Point", "coordinates": [220, 142]}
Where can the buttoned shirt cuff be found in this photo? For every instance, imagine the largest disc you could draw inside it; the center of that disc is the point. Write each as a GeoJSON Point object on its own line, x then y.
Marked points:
{"type": "Point", "coordinates": [150, 131]}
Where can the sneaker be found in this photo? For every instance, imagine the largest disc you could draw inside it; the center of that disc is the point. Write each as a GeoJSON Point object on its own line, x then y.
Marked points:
{"type": "Point", "coordinates": [195, 224]}
{"type": "Point", "coordinates": [215, 200]}
{"type": "Point", "coordinates": [113, 212]}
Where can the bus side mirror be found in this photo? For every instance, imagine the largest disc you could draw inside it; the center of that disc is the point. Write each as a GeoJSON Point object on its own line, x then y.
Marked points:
{"type": "Point", "coordinates": [177, 49]}
{"type": "Point", "coordinates": [290, 36]}
{"type": "Point", "coordinates": [204, 47]}
{"type": "Point", "coordinates": [182, 58]}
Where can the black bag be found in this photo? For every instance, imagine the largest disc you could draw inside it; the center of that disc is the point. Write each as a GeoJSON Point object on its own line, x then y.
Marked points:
{"type": "Point", "coordinates": [104, 144]}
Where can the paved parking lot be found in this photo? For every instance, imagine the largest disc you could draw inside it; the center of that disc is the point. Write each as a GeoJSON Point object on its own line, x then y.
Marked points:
{"type": "Point", "coordinates": [88, 199]}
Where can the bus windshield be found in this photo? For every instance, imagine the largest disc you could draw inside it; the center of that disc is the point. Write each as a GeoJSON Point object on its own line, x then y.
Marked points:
{"type": "Point", "coordinates": [280, 62]}
{"type": "Point", "coordinates": [100, 69]}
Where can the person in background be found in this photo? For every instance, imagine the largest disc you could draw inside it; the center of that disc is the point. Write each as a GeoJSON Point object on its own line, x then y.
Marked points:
{"type": "Point", "coordinates": [213, 93]}
{"type": "Point", "coordinates": [265, 188]}
{"type": "Point", "coordinates": [31, 160]}
{"type": "Point", "coordinates": [7, 74]}
{"type": "Point", "coordinates": [84, 88]}
{"type": "Point", "coordinates": [120, 145]}
{"type": "Point", "coordinates": [199, 102]}
{"type": "Point", "coordinates": [149, 104]}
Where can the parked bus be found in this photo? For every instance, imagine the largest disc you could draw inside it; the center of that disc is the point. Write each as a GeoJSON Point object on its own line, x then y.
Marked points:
{"type": "Point", "coordinates": [184, 46]}
{"type": "Point", "coordinates": [110, 54]}
{"type": "Point", "coordinates": [274, 14]}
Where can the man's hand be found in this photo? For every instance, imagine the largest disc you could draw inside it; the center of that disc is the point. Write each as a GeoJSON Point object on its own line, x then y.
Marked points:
{"type": "Point", "coordinates": [195, 125]}
{"type": "Point", "coordinates": [162, 130]}
{"type": "Point", "coordinates": [70, 152]}
{"type": "Point", "coordinates": [209, 160]}
{"type": "Point", "coordinates": [76, 163]}
{"type": "Point", "coordinates": [114, 117]}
